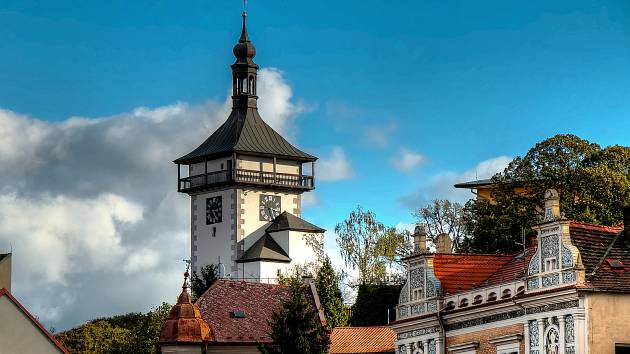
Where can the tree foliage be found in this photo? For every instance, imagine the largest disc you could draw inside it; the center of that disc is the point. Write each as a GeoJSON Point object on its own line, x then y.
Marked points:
{"type": "Point", "coordinates": [129, 333]}
{"type": "Point", "coordinates": [440, 217]}
{"type": "Point", "coordinates": [593, 184]}
{"type": "Point", "coordinates": [369, 246]}
{"type": "Point", "coordinates": [295, 326]}
{"type": "Point", "coordinates": [199, 284]}
{"type": "Point", "coordinates": [327, 285]}
{"type": "Point", "coordinates": [374, 303]}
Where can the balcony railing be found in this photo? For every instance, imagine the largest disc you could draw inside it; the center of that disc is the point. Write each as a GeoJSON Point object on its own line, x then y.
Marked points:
{"type": "Point", "coordinates": [242, 176]}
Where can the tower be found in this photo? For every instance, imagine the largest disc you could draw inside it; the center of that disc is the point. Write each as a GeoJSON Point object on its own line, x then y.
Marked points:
{"type": "Point", "coordinates": [245, 182]}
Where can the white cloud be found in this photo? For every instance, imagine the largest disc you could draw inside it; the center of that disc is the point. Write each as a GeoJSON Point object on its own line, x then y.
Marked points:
{"type": "Point", "coordinates": [90, 208]}
{"type": "Point", "coordinates": [406, 160]}
{"type": "Point", "coordinates": [334, 167]}
{"type": "Point", "coordinates": [441, 184]}
{"type": "Point", "coordinates": [380, 135]}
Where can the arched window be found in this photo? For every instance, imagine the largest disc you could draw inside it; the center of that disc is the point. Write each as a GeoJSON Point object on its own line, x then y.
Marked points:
{"type": "Point", "coordinates": [450, 305]}
{"type": "Point", "coordinates": [492, 296]}
{"type": "Point", "coordinates": [463, 303]}
{"type": "Point", "coordinates": [252, 89]}
{"type": "Point", "coordinates": [520, 290]}
{"type": "Point", "coordinates": [244, 85]}
{"type": "Point", "coordinates": [235, 86]}
{"type": "Point", "coordinates": [478, 299]}
{"type": "Point", "coordinates": [506, 293]}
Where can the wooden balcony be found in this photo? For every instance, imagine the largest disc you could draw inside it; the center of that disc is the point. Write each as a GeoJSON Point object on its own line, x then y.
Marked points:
{"type": "Point", "coordinates": [245, 177]}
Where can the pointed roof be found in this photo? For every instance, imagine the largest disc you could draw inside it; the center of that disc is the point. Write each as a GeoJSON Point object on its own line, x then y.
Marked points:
{"type": "Point", "coordinates": [244, 132]}
{"type": "Point", "coordinates": [288, 221]}
{"type": "Point", "coordinates": [184, 323]}
{"type": "Point", "coordinates": [355, 340]}
{"type": "Point", "coordinates": [265, 249]}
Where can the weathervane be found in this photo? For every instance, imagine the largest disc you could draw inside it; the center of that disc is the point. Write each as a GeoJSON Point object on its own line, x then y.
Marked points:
{"type": "Point", "coordinates": [244, 7]}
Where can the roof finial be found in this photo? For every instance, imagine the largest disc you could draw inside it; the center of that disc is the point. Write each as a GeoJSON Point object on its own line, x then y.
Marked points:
{"type": "Point", "coordinates": [244, 37]}
{"type": "Point", "coordinates": [186, 274]}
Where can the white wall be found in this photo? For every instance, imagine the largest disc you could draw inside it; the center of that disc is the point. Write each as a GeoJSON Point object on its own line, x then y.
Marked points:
{"type": "Point", "coordinates": [18, 334]}
{"type": "Point", "coordinates": [205, 248]}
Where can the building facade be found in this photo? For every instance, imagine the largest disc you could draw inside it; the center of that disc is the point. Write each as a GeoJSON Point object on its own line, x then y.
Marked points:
{"type": "Point", "coordinates": [568, 292]}
{"type": "Point", "coordinates": [245, 184]}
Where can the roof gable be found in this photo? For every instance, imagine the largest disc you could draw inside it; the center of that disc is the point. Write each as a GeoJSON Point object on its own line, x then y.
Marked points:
{"type": "Point", "coordinates": [5, 293]}
{"type": "Point", "coordinates": [244, 131]}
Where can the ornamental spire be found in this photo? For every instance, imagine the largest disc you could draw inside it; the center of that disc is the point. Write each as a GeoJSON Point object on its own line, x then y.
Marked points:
{"type": "Point", "coordinates": [244, 70]}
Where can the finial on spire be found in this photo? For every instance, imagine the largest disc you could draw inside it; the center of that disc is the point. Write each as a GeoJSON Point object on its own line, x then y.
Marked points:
{"type": "Point", "coordinates": [244, 8]}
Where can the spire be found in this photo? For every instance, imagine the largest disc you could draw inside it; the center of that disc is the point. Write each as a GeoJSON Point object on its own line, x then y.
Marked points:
{"type": "Point", "coordinates": [244, 70]}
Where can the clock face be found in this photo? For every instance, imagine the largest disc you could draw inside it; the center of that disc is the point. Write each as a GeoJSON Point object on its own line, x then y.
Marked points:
{"type": "Point", "coordinates": [214, 210]}
{"type": "Point", "coordinates": [269, 207]}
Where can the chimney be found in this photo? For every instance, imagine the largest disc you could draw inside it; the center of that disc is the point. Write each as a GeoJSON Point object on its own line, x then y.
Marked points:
{"type": "Point", "coordinates": [626, 222]}
{"type": "Point", "coordinates": [419, 239]}
{"type": "Point", "coordinates": [444, 244]}
{"type": "Point", "coordinates": [552, 205]}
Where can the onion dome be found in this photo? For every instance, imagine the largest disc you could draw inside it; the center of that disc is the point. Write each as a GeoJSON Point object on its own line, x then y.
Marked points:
{"type": "Point", "coordinates": [244, 50]}
{"type": "Point", "coordinates": [184, 323]}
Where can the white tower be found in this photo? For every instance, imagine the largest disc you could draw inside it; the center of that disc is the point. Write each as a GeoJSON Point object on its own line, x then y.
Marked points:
{"type": "Point", "coordinates": [245, 182]}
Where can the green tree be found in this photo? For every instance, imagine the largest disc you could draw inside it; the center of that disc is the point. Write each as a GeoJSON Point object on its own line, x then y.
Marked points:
{"type": "Point", "coordinates": [129, 333]}
{"type": "Point", "coordinates": [593, 184]}
{"type": "Point", "coordinates": [327, 285]}
{"type": "Point", "coordinates": [442, 216]}
{"type": "Point", "coordinates": [367, 245]}
{"type": "Point", "coordinates": [199, 284]}
{"type": "Point", "coordinates": [374, 303]}
{"type": "Point", "coordinates": [295, 326]}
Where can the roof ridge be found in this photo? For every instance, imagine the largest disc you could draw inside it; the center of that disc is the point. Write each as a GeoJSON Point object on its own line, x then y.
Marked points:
{"type": "Point", "coordinates": [591, 225]}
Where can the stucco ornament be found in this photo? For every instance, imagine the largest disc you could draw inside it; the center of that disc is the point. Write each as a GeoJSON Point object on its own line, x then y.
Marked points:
{"type": "Point", "coordinates": [552, 341]}
{"type": "Point", "coordinates": [533, 336]}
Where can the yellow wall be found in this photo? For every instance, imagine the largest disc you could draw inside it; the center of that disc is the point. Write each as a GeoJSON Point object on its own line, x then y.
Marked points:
{"type": "Point", "coordinates": [5, 273]}
{"type": "Point", "coordinates": [608, 321]}
{"type": "Point", "coordinates": [483, 338]}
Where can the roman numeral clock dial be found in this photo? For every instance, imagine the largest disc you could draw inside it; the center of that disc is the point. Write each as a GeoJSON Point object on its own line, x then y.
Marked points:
{"type": "Point", "coordinates": [269, 207]}
{"type": "Point", "coordinates": [214, 210]}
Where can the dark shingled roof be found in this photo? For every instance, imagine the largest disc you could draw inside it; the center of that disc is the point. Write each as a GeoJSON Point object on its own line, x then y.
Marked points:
{"type": "Point", "coordinates": [474, 184]}
{"type": "Point", "coordinates": [597, 244]}
{"type": "Point", "coordinates": [288, 221]}
{"type": "Point", "coordinates": [256, 300]}
{"type": "Point", "coordinates": [244, 132]}
{"type": "Point", "coordinates": [265, 249]}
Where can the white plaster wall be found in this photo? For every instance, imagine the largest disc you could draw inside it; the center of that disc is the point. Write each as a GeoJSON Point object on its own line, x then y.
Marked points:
{"type": "Point", "coordinates": [252, 270]}
{"type": "Point", "coordinates": [18, 334]}
{"type": "Point", "coordinates": [269, 270]}
{"type": "Point", "coordinates": [213, 166]}
{"type": "Point", "coordinates": [253, 226]}
{"type": "Point", "coordinates": [299, 250]}
{"type": "Point", "coordinates": [205, 248]}
{"type": "Point", "coordinates": [282, 166]}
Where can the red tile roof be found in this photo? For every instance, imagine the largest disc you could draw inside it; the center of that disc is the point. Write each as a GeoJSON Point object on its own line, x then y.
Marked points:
{"type": "Point", "coordinates": [5, 292]}
{"type": "Point", "coordinates": [355, 340]}
{"type": "Point", "coordinates": [256, 300]}
{"type": "Point", "coordinates": [598, 244]}
{"type": "Point", "coordinates": [464, 271]}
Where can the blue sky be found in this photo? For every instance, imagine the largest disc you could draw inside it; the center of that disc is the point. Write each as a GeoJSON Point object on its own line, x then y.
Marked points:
{"type": "Point", "coordinates": [457, 87]}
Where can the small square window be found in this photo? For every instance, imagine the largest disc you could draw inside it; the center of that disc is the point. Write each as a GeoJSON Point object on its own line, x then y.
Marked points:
{"type": "Point", "coordinates": [214, 231]}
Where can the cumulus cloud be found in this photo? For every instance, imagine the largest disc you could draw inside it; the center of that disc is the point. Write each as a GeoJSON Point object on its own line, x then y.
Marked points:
{"type": "Point", "coordinates": [406, 160]}
{"type": "Point", "coordinates": [310, 199]}
{"type": "Point", "coordinates": [90, 209]}
{"type": "Point", "coordinates": [335, 166]}
{"type": "Point", "coordinates": [440, 185]}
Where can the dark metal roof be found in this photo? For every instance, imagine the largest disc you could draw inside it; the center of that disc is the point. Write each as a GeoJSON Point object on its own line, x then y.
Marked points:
{"type": "Point", "coordinates": [288, 221]}
{"type": "Point", "coordinates": [3, 256]}
{"type": "Point", "coordinates": [244, 132]}
{"type": "Point", "coordinates": [265, 249]}
{"type": "Point", "coordinates": [475, 184]}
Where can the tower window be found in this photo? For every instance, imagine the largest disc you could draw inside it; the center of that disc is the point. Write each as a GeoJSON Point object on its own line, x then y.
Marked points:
{"type": "Point", "coordinates": [251, 85]}
{"type": "Point", "coordinates": [214, 231]}
{"type": "Point", "coordinates": [244, 85]}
